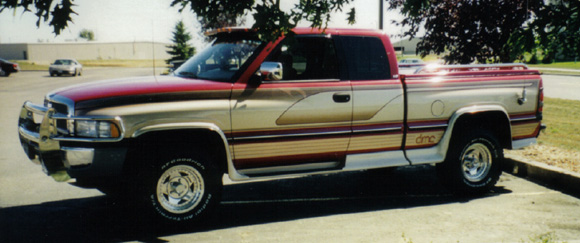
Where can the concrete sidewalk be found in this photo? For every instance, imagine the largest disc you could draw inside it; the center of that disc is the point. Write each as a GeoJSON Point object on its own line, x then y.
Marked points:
{"type": "Point", "coordinates": [547, 175]}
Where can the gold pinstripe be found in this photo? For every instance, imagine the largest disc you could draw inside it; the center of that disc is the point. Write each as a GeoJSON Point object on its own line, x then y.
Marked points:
{"type": "Point", "coordinates": [526, 129]}
{"type": "Point", "coordinates": [375, 142]}
{"type": "Point", "coordinates": [290, 148]}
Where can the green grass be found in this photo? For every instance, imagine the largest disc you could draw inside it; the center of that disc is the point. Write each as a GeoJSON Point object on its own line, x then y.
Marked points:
{"type": "Point", "coordinates": [122, 63]}
{"type": "Point", "coordinates": [563, 120]}
{"type": "Point", "coordinates": [566, 65]}
{"type": "Point", "coordinates": [33, 66]}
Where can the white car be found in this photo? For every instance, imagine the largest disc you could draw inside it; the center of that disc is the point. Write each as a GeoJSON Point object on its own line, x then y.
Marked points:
{"type": "Point", "coordinates": [65, 66]}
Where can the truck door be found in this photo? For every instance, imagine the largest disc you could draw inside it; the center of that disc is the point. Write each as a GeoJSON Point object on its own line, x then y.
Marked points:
{"type": "Point", "coordinates": [378, 104]}
{"type": "Point", "coordinates": [301, 122]}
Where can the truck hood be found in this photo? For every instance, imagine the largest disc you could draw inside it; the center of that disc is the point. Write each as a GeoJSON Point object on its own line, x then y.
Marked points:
{"type": "Point", "coordinates": [142, 90]}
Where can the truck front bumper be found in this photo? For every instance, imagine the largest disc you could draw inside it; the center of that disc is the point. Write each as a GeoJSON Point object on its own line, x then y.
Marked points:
{"type": "Point", "coordinates": [60, 157]}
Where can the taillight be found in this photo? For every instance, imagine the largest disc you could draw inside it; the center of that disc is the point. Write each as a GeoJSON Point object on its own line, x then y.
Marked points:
{"type": "Point", "coordinates": [540, 100]}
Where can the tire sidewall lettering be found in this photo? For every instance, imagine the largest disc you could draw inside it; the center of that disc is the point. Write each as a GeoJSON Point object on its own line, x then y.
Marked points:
{"type": "Point", "coordinates": [490, 145]}
{"type": "Point", "coordinates": [194, 212]}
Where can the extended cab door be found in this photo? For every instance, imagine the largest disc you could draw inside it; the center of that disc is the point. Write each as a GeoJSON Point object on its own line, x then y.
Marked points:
{"type": "Point", "coordinates": [299, 123]}
{"type": "Point", "coordinates": [378, 103]}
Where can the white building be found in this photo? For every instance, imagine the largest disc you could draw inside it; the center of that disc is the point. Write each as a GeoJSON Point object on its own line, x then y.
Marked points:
{"type": "Point", "coordinates": [47, 52]}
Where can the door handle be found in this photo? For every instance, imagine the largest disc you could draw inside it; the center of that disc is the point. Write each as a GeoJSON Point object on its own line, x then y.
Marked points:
{"type": "Point", "coordinates": [341, 97]}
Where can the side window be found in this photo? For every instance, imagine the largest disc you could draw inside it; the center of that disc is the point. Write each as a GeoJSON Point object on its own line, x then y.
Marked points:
{"type": "Point", "coordinates": [366, 58]}
{"type": "Point", "coordinates": [307, 58]}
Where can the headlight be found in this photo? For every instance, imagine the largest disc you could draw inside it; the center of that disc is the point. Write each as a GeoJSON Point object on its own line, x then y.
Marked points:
{"type": "Point", "coordinates": [96, 129]}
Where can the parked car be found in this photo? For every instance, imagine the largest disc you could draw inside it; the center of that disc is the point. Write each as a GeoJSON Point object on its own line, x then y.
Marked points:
{"type": "Point", "coordinates": [6, 67]}
{"type": "Point", "coordinates": [65, 66]}
{"type": "Point", "coordinates": [411, 62]}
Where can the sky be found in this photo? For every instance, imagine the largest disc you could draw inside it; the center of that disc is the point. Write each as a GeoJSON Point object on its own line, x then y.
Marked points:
{"type": "Point", "coordinates": [151, 20]}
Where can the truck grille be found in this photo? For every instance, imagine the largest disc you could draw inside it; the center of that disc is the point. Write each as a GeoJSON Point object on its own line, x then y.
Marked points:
{"type": "Point", "coordinates": [61, 109]}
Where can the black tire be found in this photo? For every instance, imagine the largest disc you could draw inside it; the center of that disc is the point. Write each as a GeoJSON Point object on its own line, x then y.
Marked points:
{"type": "Point", "coordinates": [183, 188]}
{"type": "Point", "coordinates": [75, 73]}
{"type": "Point", "coordinates": [473, 163]}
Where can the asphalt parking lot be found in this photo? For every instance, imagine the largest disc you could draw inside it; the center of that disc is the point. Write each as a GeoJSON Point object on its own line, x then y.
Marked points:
{"type": "Point", "coordinates": [405, 205]}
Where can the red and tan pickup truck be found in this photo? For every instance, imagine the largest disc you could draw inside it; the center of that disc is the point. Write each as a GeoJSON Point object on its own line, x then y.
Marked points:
{"type": "Point", "coordinates": [312, 102]}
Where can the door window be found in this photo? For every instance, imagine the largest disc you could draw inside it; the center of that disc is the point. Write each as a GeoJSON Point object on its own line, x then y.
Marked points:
{"type": "Point", "coordinates": [307, 58]}
{"type": "Point", "coordinates": [366, 58]}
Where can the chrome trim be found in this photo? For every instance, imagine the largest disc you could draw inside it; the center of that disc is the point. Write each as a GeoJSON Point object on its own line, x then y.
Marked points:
{"type": "Point", "coordinates": [32, 136]}
{"type": "Point", "coordinates": [37, 109]}
{"type": "Point", "coordinates": [70, 104]}
{"type": "Point", "coordinates": [232, 172]}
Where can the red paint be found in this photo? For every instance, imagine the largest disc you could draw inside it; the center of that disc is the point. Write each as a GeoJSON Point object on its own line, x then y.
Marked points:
{"type": "Point", "coordinates": [140, 86]}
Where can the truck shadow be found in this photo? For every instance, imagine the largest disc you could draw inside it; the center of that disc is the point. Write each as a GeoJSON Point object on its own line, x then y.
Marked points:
{"type": "Point", "coordinates": [101, 219]}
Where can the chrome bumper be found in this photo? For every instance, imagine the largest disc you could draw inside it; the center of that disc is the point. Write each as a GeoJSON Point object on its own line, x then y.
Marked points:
{"type": "Point", "coordinates": [36, 138]}
{"type": "Point", "coordinates": [41, 141]}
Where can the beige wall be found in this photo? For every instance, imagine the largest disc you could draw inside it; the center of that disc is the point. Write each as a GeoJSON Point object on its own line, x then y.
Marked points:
{"type": "Point", "coordinates": [14, 51]}
{"type": "Point", "coordinates": [409, 45]}
{"type": "Point", "coordinates": [84, 51]}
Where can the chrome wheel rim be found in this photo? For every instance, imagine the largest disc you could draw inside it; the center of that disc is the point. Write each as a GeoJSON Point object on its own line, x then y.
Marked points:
{"type": "Point", "coordinates": [180, 189]}
{"type": "Point", "coordinates": [476, 162]}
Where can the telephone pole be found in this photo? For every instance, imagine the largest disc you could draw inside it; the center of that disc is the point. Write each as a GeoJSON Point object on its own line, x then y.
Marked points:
{"type": "Point", "coordinates": [380, 14]}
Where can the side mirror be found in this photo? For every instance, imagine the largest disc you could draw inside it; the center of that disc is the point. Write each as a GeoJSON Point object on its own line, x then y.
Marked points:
{"type": "Point", "coordinates": [271, 71]}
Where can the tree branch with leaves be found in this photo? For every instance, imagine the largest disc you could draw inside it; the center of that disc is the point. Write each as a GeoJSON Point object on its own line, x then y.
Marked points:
{"type": "Point", "coordinates": [465, 31]}
{"type": "Point", "coordinates": [58, 14]}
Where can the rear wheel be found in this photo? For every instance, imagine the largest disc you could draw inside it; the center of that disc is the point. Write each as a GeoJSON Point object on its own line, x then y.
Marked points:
{"type": "Point", "coordinates": [473, 164]}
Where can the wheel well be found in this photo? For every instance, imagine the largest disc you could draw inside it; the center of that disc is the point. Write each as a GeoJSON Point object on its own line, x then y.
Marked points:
{"type": "Point", "coordinates": [495, 122]}
{"type": "Point", "coordinates": [148, 147]}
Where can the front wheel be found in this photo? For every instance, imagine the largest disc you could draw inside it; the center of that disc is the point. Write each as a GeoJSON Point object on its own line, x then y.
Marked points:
{"type": "Point", "coordinates": [473, 164]}
{"type": "Point", "coordinates": [184, 188]}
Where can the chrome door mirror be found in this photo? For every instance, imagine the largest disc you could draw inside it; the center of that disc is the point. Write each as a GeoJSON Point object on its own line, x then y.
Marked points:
{"type": "Point", "coordinates": [271, 71]}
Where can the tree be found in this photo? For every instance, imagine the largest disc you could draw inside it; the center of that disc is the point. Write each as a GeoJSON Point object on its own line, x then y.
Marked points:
{"type": "Point", "coordinates": [466, 30]}
{"type": "Point", "coordinates": [556, 30]}
{"type": "Point", "coordinates": [180, 50]}
{"type": "Point", "coordinates": [87, 34]}
{"type": "Point", "coordinates": [59, 15]}
{"type": "Point", "coordinates": [270, 21]}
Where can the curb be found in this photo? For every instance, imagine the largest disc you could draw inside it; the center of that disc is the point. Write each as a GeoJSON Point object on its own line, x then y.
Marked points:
{"type": "Point", "coordinates": [550, 176]}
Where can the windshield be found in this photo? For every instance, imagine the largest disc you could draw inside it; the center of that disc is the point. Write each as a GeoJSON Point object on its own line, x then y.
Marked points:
{"type": "Point", "coordinates": [220, 61]}
{"type": "Point", "coordinates": [63, 62]}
